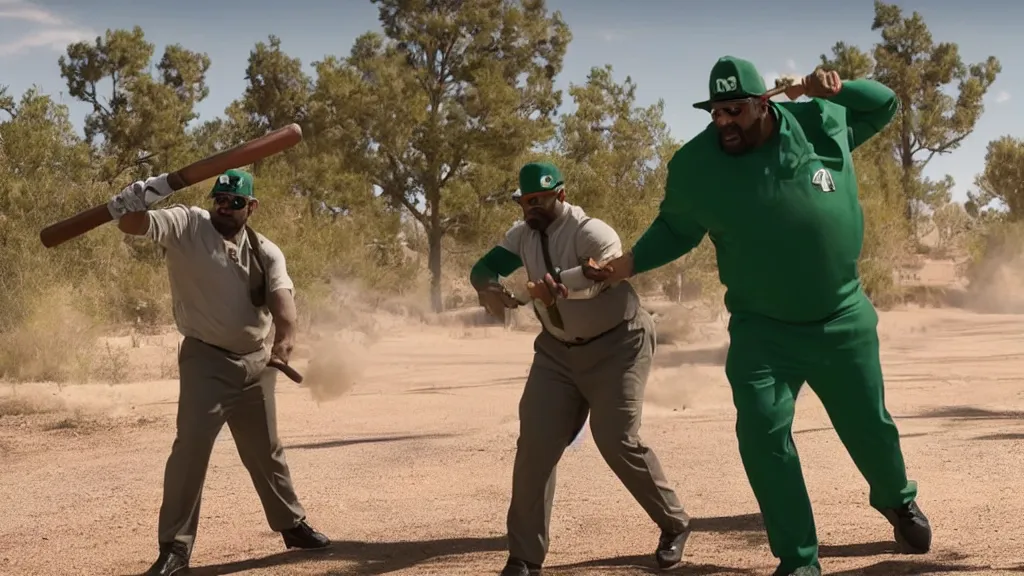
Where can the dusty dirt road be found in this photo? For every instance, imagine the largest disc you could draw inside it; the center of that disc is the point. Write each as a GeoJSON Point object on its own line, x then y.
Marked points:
{"type": "Point", "coordinates": [409, 472]}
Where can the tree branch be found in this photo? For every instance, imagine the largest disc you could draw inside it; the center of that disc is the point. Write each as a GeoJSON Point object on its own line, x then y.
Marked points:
{"type": "Point", "coordinates": [399, 195]}
{"type": "Point", "coordinates": [419, 216]}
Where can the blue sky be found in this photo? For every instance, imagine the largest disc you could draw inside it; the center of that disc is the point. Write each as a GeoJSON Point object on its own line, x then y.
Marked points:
{"type": "Point", "coordinates": [667, 46]}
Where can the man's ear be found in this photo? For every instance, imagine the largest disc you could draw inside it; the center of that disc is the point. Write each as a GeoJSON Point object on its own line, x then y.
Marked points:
{"type": "Point", "coordinates": [561, 195]}
{"type": "Point", "coordinates": [253, 206]}
{"type": "Point", "coordinates": [762, 106]}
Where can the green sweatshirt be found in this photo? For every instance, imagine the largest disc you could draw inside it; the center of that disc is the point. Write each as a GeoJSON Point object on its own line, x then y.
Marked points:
{"type": "Point", "coordinates": [784, 218]}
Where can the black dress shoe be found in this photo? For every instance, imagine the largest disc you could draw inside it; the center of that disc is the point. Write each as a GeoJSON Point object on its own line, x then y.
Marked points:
{"type": "Point", "coordinates": [911, 529]}
{"type": "Point", "coordinates": [517, 567]}
{"type": "Point", "coordinates": [304, 537]}
{"type": "Point", "coordinates": [173, 559]}
{"type": "Point", "coordinates": [670, 548]}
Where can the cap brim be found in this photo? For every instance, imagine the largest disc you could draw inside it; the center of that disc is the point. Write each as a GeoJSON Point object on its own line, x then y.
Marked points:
{"type": "Point", "coordinates": [216, 192]}
{"type": "Point", "coordinates": [706, 105]}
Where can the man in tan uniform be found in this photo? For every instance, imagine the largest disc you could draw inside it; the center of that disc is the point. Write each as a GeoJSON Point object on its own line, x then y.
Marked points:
{"type": "Point", "coordinates": [228, 284]}
{"type": "Point", "coordinates": [593, 356]}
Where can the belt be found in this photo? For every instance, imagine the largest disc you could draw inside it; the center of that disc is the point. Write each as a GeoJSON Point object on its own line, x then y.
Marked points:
{"type": "Point", "coordinates": [583, 341]}
{"type": "Point", "coordinates": [224, 350]}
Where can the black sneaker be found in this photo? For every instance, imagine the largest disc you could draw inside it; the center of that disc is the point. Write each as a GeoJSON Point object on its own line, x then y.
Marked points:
{"type": "Point", "coordinates": [173, 559]}
{"type": "Point", "coordinates": [911, 528]}
{"type": "Point", "coordinates": [304, 537]}
{"type": "Point", "coordinates": [670, 548]}
{"type": "Point", "coordinates": [517, 567]}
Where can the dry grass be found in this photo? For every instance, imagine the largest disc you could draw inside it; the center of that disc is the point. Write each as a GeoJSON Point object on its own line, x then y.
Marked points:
{"type": "Point", "coordinates": [14, 404]}
{"type": "Point", "coordinates": [352, 274]}
{"type": "Point", "coordinates": [55, 342]}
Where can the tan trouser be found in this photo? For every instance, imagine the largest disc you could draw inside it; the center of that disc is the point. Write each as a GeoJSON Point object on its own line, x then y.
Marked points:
{"type": "Point", "coordinates": [217, 387]}
{"type": "Point", "coordinates": [606, 377]}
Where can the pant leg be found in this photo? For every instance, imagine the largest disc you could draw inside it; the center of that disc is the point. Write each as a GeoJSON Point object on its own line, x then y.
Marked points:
{"type": "Point", "coordinates": [612, 374]}
{"type": "Point", "coordinates": [253, 424]}
{"type": "Point", "coordinates": [551, 412]}
{"type": "Point", "coordinates": [765, 382]}
{"type": "Point", "coordinates": [208, 382]}
{"type": "Point", "coordinates": [849, 383]}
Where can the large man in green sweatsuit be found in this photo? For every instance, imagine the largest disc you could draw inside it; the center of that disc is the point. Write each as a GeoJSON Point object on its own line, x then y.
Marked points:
{"type": "Point", "coordinates": [773, 185]}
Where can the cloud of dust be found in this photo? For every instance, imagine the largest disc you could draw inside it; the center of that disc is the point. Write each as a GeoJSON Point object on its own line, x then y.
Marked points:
{"type": "Point", "coordinates": [30, 403]}
{"type": "Point", "coordinates": [54, 342]}
{"type": "Point", "coordinates": [997, 285]}
{"type": "Point", "coordinates": [692, 338]}
{"type": "Point", "coordinates": [335, 366]}
{"type": "Point", "coordinates": [673, 388]}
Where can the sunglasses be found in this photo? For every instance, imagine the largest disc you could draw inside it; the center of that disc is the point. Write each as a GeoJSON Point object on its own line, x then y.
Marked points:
{"type": "Point", "coordinates": [536, 199]}
{"type": "Point", "coordinates": [231, 201]}
{"type": "Point", "coordinates": [732, 108]}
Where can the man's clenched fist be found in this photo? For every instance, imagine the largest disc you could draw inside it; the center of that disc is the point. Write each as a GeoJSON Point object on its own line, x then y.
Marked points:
{"type": "Point", "coordinates": [495, 298]}
{"type": "Point", "coordinates": [822, 84]}
{"type": "Point", "coordinates": [139, 196]}
{"type": "Point", "coordinates": [818, 84]}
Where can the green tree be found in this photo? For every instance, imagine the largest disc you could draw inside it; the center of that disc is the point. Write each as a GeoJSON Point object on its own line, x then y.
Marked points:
{"type": "Point", "coordinates": [454, 92]}
{"type": "Point", "coordinates": [46, 143]}
{"type": "Point", "coordinates": [1002, 179]}
{"type": "Point", "coordinates": [143, 114]}
{"type": "Point", "coordinates": [615, 152]}
{"type": "Point", "coordinates": [923, 73]}
{"type": "Point", "coordinates": [276, 94]}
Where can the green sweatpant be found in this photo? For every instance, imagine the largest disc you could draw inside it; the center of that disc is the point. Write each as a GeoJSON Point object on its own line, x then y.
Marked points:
{"type": "Point", "coordinates": [768, 362]}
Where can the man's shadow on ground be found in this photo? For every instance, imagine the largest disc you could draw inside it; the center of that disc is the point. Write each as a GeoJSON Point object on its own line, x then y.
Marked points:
{"type": "Point", "coordinates": [362, 558]}
{"type": "Point", "coordinates": [750, 527]}
{"type": "Point", "coordinates": [376, 558]}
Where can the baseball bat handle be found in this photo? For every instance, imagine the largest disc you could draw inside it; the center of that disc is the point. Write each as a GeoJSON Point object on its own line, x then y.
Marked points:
{"type": "Point", "coordinates": [775, 91]}
{"type": "Point", "coordinates": [287, 370]}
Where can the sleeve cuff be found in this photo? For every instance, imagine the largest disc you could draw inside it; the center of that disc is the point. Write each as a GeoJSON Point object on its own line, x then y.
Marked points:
{"type": "Point", "coordinates": [573, 279]}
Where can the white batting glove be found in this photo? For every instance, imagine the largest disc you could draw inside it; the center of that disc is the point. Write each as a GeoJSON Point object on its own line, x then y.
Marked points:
{"type": "Point", "coordinates": [139, 196]}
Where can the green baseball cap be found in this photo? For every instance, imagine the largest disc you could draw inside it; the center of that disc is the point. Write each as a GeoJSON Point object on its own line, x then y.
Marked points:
{"type": "Point", "coordinates": [237, 182]}
{"type": "Point", "coordinates": [539, 177]}
{"type": "Point", "coordinates": [731, 79]}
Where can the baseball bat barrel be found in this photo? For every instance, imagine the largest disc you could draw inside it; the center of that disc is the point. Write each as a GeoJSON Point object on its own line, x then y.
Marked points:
{"type": "Point", "coordinates": [241, 155]}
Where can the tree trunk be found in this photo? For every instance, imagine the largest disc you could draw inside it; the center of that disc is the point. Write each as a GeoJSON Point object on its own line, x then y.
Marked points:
{"type": "Point", "coordinates": [434, 255]}
{"type": "Point", "coordinates": [907, 160]}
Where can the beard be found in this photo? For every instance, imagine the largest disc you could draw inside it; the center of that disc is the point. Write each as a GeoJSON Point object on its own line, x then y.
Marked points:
{"type": "Point", "coordinates": [227, 227]}
{"type": "Point", "coordinates": [735, 140]}
{"type": "Point", "coordinates": [539, 220]}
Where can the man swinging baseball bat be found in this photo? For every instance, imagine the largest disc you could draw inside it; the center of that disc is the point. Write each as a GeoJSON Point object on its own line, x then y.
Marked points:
{"type": "Point", "coordinates": [228, 283]}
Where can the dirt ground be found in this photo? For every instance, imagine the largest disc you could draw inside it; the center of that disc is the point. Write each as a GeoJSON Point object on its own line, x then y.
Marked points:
{"type": "Point", "coordinates": [409, 470]}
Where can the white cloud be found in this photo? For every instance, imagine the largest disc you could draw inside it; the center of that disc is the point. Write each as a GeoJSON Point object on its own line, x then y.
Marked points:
{"type": "Point", "coordinates": [25, 12]}
{"type": "Point", "coordinates": [1002, 96]}
{"type": "Point", "coordinates": [53, 32]}
{"type": "Point", "coordinates": [56, 40]}
{"type": "Point", "coordinates": [791, 65]}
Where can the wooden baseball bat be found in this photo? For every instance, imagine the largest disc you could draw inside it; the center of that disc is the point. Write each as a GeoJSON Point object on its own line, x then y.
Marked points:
{"type": "Point", "coordinates": [241, 155]}
{"type": "Point", "coordinates": [287, 370]}
{"type": "Point", "coordinates": [778, 89]}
